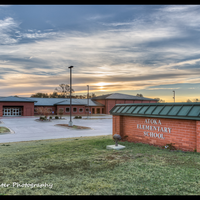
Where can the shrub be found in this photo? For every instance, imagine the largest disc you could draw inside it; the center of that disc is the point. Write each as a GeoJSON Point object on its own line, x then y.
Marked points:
{"type": "Point", "coordinates": [41, 118]}
{"type": "Point", "coordinates": [50, 117]}
{"type": "Point", "coordinates": [56, 117]}
{"type": "Point", "coordinates": [76, 117]}
{"type": "Point", "coordinates": [80, 117]}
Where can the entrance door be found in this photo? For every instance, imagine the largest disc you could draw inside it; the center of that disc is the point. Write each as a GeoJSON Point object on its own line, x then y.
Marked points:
{"type": "Point", "coordinates": [15, 111]}
{"type": "Point", "coordinates": [98, 110]}
{"type": "Point", "coordinates": [6, 111]}
{"type": "Point", "coordinates": [93, 111]}
{"type": "Point", "coordinates": [11, 111]}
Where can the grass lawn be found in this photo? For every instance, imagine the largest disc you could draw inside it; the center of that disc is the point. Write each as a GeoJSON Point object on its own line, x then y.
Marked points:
{"type": "Point", "coordinates": [4, 130]}
{"type": "Point", "coordinates": [83, 166]}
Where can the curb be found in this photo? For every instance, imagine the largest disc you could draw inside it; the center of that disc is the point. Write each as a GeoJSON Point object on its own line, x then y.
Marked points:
{"type": "Point", "coordinates": [11, 131]}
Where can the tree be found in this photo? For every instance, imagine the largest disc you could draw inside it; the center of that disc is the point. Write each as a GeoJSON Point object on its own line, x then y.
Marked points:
{"type": "Point", "coordinates": [93, 95]}
{"type": "Point", "coordinates": [54, 95]}
{"type": "Point", "coordinates": [64, 90]}
{"type": "Point", "coordinates": [44, 111]}
{"type": "Point", "coordinates": [188, 101]}
{"type": "Point", "coordinates": [139, 95]}
{"type": "Point", "coordinates": [80, 96]}
{"type": "Point", "coordinates": [196, 100]}
{"type": "Point", "coordinates": [84, 96]}
{"type": "Point", "coordinates": [40, 95]}
{"type": "Point", "coordinates": [160, 100]}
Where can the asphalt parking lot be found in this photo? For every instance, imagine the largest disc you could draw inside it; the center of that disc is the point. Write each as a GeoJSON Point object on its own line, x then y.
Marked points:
{"type": "Point", "coordinates": [27, 129]}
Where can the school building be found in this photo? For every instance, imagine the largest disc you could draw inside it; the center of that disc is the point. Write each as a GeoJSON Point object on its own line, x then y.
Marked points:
{"type": "Point", "coordinates": [27, 106]}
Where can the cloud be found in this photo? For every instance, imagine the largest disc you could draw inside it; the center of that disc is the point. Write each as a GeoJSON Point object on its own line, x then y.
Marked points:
{"type": "Point", "coordinates": [7, 26]}
{"type": "Point", "coordinates": [138, 53]}
{"type": "Point", "coordinates": [163, 88]}
{"type": "Point", "coordinates": [37, 35]}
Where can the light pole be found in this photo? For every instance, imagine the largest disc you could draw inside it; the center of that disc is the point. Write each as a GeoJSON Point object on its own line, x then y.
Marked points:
{"type": "Point", "coordinates": [70, 122]}
{"type": "Point", "coordinates": [88, 101]}
{"type": "Point", "coordinates": [174, 96]}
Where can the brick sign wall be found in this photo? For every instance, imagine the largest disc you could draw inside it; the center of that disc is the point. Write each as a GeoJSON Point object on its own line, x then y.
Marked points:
{"type": "Point", "coordinates": [159, 131]}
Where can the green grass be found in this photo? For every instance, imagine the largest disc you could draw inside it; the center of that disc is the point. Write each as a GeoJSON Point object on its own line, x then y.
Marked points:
{"type": "Point", "coordinates": [4, 130]}
{"type": "Point", "coordinates": [83, 166]}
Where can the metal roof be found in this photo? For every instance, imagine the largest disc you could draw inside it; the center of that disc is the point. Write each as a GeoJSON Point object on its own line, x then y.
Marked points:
{"type": "Point", "coordinates": [122, 96]}
{"type": "Point", "coordinates": [63, 101]}
{"type": "Point", "coordinates": [79, 102]}
{"type": "Point", "coordinates": [16, 99]}
{"type": "Point", "coordinates": [160, 110]}
{"type": "Point", "coordinates": [46, 101]}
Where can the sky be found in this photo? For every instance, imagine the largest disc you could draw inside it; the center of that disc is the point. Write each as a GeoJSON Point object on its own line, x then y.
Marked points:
{"type": "Point", "coordinates": [131, 49]}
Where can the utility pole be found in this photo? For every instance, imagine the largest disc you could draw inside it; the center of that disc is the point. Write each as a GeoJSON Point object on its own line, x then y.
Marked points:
{"type": "Point", "coordinates": [70, 122]}
{"type": "Point", "coordinates": [174, 96]}
{"type": "Point", "coordinates": [88, 101]}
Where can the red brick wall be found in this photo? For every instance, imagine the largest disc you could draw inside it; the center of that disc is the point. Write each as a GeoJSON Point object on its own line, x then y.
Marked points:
{"type": "Point", "coordinates": [129, 101]}
{"type": "Point", "coordinates": [197, 135]}
{"type": "Point", "coordinates": [184, 133]}
{"type": "Point", "coordinates": [110, 103]}
{"type": "Point", "coordinates": [152, 101]}
{"type": "Point", "coordinates": [27, 110]}
{"type": "Point", "coordinates": [102, 101]}
{"type": "Point", "coordinates": [1, 109]}
{"type": "Point", "coordinates": [95, 109]}
{"type": "Point", "coordinates": [73, 113]}
{"type": "Point", "coordinates": [52, 107]}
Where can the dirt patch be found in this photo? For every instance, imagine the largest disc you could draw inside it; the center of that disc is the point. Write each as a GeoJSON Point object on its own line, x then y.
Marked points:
{"type": "Point", "coordinates": [74, 126]}
{"type": "Point", "coordinates": [39, 120]}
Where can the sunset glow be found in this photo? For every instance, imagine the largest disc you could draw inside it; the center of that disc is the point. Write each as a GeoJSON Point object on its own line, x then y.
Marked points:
{"type": "Point", "coordinates": [131, 49]}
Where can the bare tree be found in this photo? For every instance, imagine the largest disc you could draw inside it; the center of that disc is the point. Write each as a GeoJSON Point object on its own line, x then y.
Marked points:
{"type": "Point", "coordinates": [64, 90]}
{"type": "Point", "coordinates": [188, 101]}
{"type": "Point", "coordinates": [139, 95]}
{"type": "Point", "coordinates": [60, 112]}
{"type": "Point", "coordinates": [44, 111]}
{"type": "Point", "coordinates": [160, 100]}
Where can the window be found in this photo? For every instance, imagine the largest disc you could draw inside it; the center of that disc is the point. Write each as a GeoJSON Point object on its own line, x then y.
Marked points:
{"type": "Point", "coordinates": [81, 110]}
{"type": "Point", "coordinates": [35, 110]}
{"type": "Point", "coordinates": [49, 109]}
{"type": "Point", "coordinates": [74, 109]}
{"type": "Point", "coordinates": [60, 111]}
{"type": "Point", "coordinates": [67, 109]}
{"type": "Point", "coordinates": [87, 109]}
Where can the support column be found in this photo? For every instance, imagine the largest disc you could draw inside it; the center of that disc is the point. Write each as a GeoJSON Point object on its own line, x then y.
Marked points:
{"type": "Point", "coordinates": [1, 110]}
{"type": "Point", "coordinates": [117, 125]}
{"type": "Point", "coordinates": [198, 136]}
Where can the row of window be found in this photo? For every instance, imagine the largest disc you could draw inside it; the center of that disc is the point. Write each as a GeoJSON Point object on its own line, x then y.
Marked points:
{"type": "Point", "coordinates": [74, 109]}
{"type": "Point", "coordinates": [66, 110]}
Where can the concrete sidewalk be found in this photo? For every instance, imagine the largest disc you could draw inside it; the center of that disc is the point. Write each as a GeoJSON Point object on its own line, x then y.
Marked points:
{"type": "Point", "coordinates": [27, 129]}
